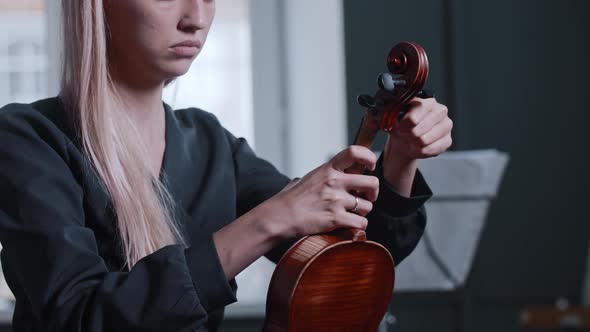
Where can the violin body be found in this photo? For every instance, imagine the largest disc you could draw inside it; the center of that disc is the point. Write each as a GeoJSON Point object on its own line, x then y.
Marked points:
{"type": "Point", "coordinates": [337, 281]}
{"type": "Point", "coordinates": [340, 281]}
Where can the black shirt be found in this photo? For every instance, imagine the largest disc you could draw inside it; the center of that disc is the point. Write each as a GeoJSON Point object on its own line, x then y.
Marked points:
{"type": "Point", "coordinates": [61, 255]}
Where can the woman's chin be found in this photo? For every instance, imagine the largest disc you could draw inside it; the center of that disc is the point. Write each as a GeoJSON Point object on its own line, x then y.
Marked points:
{"type": "Point", "coordinates": [176, 69]}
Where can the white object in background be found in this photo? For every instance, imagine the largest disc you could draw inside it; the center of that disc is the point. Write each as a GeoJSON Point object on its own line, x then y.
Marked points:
{"type": "Point", "coordinates": [464, 183]}
{"type": "Point", "coordinates": [6, 300]}
{"type": "Point", "coordinates": [253, 285]}
{"type": "Point", "coordinates": [5, 293]}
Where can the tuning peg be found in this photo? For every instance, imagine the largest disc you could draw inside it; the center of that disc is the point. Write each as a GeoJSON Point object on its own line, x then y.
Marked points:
{"type": "Point", "coordinates": [387, 82]}
{"type": "Point", "coordinates": [366, 101]}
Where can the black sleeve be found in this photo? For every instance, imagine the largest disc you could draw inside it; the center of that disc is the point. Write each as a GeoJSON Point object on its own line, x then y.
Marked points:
{"type": "Point", "coordinates": [50, 258]}
{"type": "Point", "coordinates": [398, 222]}
{"type": "Point", "coordinates": [257, 180]}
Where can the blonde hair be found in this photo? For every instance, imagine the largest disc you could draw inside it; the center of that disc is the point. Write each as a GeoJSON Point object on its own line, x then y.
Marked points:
{"type": "Point", "coordinates": [143, 206]}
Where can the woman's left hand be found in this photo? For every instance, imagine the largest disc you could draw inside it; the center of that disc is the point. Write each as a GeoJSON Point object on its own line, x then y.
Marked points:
{"type": "Point", "coordinates": [423, 132]}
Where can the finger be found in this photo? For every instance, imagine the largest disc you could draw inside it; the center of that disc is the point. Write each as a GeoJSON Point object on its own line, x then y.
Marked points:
{"type": "Point", "coordinates": [417, 111]}
{"type": "Point", "coordinates": [440, 130]}
{"type": "Point", "coordinates": [359, 205]}
{"type": "Point", "coordinates": [354, 154]}
{"type": "Point", "coordinates": [351, 220]}
{"type": "Point", "coordinates": [430, 120]}
{"type": "Point", "coordinates": [367, 186]}
{"type": "Point", "coordinates": [437, 147]}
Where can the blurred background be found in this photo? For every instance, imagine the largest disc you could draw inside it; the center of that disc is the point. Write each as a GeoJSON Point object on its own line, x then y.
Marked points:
{"type": "Point", "coordinates": [506, 247]}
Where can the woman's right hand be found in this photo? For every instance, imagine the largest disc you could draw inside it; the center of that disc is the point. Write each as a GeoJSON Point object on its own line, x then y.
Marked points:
{"type": "Point", "coordinates": [319, 202]}
{"type": "Point", "coordinates": [323, 199]}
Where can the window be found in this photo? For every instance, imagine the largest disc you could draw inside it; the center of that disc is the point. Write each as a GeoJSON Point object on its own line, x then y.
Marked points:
{"type": "Point", "coordinates": [219, 80]}
{"type": "Point", "coordinates": [23, 51]}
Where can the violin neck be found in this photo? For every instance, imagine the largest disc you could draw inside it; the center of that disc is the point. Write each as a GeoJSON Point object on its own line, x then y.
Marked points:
{"type": "Point", "coordinates": [365, 136]}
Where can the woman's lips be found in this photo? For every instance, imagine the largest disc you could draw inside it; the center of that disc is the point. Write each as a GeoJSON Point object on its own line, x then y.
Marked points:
{"type": "Point", "coordinates": [187, 49]}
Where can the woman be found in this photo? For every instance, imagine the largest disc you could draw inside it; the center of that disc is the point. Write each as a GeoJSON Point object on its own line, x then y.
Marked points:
{"type": "Point", "coordinates": [118, 214]}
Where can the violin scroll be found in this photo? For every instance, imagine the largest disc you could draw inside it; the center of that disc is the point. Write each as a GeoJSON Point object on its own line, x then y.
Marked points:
{"type": "Point", "coordinates": [408, 70]}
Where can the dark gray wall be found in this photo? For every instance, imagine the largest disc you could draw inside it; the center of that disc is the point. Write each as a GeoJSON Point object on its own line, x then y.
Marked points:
{"type": "Point", "coordinates": [514, 75]}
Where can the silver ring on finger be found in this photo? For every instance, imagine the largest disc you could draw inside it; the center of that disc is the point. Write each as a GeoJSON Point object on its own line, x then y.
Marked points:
{"type": "Point", "coordinates": [356, 204]}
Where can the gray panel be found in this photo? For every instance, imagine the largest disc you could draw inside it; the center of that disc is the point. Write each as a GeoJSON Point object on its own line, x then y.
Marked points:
{"type": "Point", "coordinates": [524, 70]}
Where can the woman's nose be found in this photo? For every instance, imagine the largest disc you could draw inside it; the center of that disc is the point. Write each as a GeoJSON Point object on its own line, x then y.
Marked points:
{"type": "Point", "coordinates": [196, 15]}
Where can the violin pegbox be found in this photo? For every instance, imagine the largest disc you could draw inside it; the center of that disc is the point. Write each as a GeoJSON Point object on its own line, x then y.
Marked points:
{"type": "Point", "coordinates": [408, 70]}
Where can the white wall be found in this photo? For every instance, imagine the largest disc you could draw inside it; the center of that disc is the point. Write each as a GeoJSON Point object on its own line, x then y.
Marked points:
{"type": "Point", "coordinates": [299, 82]}
{"type": "Point", "coordinates": [316, 82]}
{"type": "Point", "coordinates": [54, 45]}
{"type": "Point", "coordinates": [268, 82]}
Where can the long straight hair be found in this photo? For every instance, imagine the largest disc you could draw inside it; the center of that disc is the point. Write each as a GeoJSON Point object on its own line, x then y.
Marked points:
{"type": "Point", "coordinates": [143, 206]}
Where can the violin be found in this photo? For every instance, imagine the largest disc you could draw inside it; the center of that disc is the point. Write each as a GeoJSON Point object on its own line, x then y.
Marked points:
{"type": "Point", "coordinates": [341, 281]}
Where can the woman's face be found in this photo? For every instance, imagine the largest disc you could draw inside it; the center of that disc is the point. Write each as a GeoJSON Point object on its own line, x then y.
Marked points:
{"type": "Point", "coordinates": [151, 41]}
